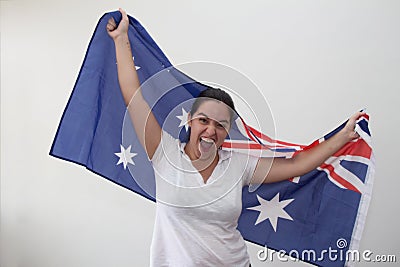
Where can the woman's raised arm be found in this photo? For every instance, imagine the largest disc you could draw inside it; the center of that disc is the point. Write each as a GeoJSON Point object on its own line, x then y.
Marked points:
{"type": "Point", "coordinates": [146, 126]}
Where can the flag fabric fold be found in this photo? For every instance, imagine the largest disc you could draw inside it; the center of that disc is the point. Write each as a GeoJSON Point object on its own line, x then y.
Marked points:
{"type": "Point", "coordinates": [317, 218]}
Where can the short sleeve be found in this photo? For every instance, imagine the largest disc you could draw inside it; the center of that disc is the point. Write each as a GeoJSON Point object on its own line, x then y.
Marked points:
{"type": "Point", "coordinates": [167, 144]}
{"type": "Point", "coordinates": [250, 168]}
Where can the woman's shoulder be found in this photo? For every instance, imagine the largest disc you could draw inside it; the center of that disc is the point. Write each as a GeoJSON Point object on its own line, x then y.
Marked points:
{"type": "Point", "coordinates": [168, 145]}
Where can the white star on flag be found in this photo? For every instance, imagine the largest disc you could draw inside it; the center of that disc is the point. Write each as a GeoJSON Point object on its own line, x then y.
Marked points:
{"type": "Point", "coordinates": [136, 67]}
{"type": "Point", "coordinates": [183, 118]}
{"type": "Point", "coordinates": [125, 156]}
{"type": "Point", "coordinates": [272, 210]}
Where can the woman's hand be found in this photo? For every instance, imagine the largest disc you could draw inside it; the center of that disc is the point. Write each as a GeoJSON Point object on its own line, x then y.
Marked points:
{"type": "Point", "coordinates": [122, 29]}
{"type": "Point", "coordinates": [349, 129]}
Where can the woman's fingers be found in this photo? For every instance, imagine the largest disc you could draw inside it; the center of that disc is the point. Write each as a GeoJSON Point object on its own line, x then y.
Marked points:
{"type": "Point", "coordinates": [351, 125]}
{"type": "Point", "coordinates": [355, 117]}
{"type": "Point", "coordinates": [123, 13]}
{"type": "Point", "coordinates": [111, 25]}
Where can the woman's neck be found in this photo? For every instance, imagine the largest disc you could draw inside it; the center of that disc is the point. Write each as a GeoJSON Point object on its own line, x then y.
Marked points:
{"type": "Point", "coordinates": [199, 162]}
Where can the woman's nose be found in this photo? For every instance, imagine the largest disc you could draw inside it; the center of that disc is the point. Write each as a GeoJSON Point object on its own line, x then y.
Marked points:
{"type": "Point", "coordinates": [210, 129]}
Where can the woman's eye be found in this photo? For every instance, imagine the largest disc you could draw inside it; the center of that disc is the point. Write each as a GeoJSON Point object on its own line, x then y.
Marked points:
{"type": "Point", "coordinates": [203, 120]}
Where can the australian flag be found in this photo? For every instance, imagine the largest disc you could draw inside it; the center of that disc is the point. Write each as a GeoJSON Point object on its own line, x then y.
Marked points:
{"type": "Point", "coordinates": [317, 218]}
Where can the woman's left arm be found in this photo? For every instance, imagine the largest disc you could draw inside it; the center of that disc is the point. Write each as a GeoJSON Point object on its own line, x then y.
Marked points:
{"type": "Point", "coordinates": [270, 170]}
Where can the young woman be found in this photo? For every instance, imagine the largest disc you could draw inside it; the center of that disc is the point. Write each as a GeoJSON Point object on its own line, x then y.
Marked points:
{"type": "Point", "coordinates": [196, 218]}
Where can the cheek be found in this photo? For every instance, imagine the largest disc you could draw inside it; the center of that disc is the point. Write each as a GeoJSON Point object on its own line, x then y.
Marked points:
{"type": "Point", "coordinates": [194, 131]}
{"type": "Point", "coordinates": [222, 133]}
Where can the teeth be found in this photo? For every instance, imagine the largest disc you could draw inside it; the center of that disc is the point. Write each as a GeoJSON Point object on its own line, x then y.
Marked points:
{"type": "Point", "coordinates": [208, 140]}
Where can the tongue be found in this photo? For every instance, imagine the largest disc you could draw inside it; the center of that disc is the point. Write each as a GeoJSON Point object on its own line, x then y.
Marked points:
{"type": "Point", "coordinates": [206, 146]}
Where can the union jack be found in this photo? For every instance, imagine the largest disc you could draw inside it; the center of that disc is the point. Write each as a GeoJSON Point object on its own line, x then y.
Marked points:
{"type": "Point", "coordinates": [358, 150]}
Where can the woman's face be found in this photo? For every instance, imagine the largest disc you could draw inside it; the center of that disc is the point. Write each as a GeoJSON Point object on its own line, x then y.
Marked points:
{"type": "Point", "coordinates": [209, 125]}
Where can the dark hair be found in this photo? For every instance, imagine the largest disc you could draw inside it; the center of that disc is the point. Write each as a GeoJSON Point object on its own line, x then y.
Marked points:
{"type": "Point", "coordinates": [217, 94]}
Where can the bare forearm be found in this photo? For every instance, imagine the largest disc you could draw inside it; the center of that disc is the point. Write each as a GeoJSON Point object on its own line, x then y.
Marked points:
{"type": "Point", "coordinates": [144, 122]}
{"type": "Point", "coordinates": [314, 157]}
{"type": "Point", "coordinates": [127, 76]}
{"type": "Point", "coordinates": [146, 126]}
{"type": "Point", "coordinates": [278, 169]}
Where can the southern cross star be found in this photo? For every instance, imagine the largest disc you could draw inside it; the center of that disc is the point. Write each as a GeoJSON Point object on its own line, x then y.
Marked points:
{"type": "Point", "coordinates": [125, 156]}
{"type": "Point", "coordinates": [272, 210]}
{"type": "Point", "coordinates": [136, 67]}
{"type": "Point", "coordinates": [183, 118]}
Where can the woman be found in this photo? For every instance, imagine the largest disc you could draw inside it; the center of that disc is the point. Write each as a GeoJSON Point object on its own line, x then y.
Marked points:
{"type": "Point", "coordinates": [196, 218]}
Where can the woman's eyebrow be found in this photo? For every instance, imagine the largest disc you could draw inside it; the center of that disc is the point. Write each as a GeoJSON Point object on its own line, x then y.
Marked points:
{"type": "Point", "coordinates": [205, 115]}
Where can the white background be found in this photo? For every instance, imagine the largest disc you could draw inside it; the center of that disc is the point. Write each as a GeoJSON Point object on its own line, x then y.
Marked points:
{"type": "Point", "coordinates": [317, 62]}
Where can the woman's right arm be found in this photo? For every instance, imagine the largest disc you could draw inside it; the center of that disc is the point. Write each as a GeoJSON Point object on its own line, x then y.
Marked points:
{"type": "Point", "coordinates": [146, 126]}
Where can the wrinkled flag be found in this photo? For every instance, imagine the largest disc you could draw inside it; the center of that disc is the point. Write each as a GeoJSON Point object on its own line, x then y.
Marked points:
{"type": "Point", "coordinates": [317, 218]}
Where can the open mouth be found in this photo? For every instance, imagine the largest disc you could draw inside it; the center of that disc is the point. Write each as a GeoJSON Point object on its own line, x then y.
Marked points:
{"type": "Point", "coordinates": [206, 144]}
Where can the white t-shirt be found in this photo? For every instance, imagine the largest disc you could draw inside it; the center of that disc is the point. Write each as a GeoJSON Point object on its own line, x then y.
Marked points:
{"type": "Point", "coordinates": [195, 221]}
